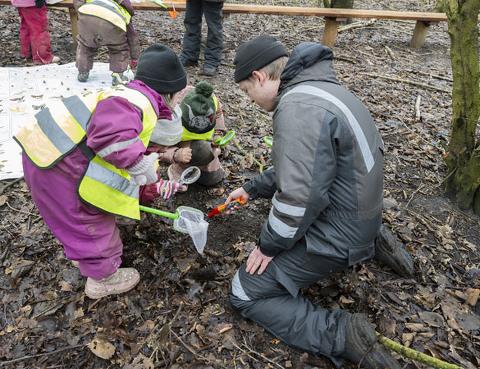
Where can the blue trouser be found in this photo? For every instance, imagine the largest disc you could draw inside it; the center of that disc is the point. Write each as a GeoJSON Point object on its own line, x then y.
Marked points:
{"type": "Point", "coordinates": [272, 300]}
{"type": "Point", "coordinates": [193, 32]}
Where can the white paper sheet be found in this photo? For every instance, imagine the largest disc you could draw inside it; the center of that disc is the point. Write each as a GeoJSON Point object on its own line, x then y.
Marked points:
{"type": "Point", "coordinates": [24, 90]}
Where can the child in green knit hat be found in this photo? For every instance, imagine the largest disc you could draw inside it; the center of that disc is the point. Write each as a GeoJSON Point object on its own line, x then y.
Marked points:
{"type": "Point", "coordinates": [202, 117]}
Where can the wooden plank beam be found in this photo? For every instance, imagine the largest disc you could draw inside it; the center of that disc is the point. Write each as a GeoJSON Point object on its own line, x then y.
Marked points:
{"type": "Point", "coordinates": [292, 11]}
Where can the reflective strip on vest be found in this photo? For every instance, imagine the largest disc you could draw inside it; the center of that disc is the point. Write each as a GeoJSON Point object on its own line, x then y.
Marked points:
{"type": "Point", "coordinates": [109, 189]}
{"type": "Point", "coordinates": [350, 118]}
{"type": "Point", "coordinates": [207, 136]}
{"type": "Point", "coordinates": [107, 10]}
{"type": "Point", "coordinates": [56, 130]}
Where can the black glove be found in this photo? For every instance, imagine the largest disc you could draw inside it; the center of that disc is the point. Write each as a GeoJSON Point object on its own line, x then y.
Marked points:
{"type": "Point", "coordinates": [39, 3]}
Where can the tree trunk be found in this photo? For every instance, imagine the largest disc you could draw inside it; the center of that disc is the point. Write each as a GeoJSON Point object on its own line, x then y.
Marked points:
{"type": "Point", "coordinates": [463, 159]}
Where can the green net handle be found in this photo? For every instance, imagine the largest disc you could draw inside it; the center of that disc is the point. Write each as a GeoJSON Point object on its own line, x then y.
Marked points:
{"type": "Point", "coordinates": [162, 213]}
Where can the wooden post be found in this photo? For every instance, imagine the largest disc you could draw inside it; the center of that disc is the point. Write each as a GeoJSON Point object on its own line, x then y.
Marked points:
{"type": "Point", "coordinates": [419, 34]}
{"type": "Point", "coordinates": [330, 32]}
{"type": "Point", "coordinates": [73, 22]}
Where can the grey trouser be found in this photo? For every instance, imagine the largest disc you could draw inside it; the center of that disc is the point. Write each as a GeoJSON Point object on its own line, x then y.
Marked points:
{"type": "Point", "coordinates": [272, 300]}
{"type": "Point", "coordinates": [193, 32]}
{"type": "Point", "coordinates": [94, 32]}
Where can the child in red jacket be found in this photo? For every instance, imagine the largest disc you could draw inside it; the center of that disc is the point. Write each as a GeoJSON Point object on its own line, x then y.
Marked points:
{"type": "Point", "coordinates": [34, 36]}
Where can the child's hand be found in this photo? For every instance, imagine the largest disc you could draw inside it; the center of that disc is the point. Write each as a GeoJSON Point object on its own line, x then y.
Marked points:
{"type": "Point", "coordinates": [183, 155]}
{"type": "Point", "coordinates": [133, 63]}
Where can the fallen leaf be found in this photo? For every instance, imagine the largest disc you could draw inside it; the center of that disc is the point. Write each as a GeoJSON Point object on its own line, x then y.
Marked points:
{"type": "Point", "coordinates": [65, 286]}
{"type": "Point", "coordinates": [472, 296]}
{"type": "Point", "coordinates": [224, 327]}
{"type": "Point", "coordinates": [101, 348]}
{"type": "Point", "coordinates": [3, 200]}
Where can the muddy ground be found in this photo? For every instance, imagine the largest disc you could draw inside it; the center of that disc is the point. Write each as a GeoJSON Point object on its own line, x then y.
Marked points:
{"type": "Point", "coordinates": [178, 316]}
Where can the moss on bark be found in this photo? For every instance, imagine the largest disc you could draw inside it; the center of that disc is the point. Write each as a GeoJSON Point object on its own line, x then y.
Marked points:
{"type": "Point", "coordinates": [463, 160]}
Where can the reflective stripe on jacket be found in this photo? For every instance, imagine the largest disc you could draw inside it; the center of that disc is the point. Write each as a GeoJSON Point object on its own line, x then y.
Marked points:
{"type": "Point", "coordinates": [108, 10]}
{"type": "Point", "coordinates": [61, 127]}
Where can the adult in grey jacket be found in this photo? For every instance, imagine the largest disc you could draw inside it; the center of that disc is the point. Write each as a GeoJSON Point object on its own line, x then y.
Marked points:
{"type": "Point", "coordinates": [326, 186]}
{"type": "Point", "coordinates": [213, 12]}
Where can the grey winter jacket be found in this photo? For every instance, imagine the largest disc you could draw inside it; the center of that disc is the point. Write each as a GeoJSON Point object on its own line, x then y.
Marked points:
{"type": "Point", "coordinates": [326, 182]}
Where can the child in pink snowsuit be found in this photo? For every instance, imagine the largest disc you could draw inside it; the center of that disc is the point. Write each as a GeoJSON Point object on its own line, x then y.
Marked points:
{"type": "Point", "coordinates": [34, 36]}
{"type": "Point", "coordinates": [113, 133]}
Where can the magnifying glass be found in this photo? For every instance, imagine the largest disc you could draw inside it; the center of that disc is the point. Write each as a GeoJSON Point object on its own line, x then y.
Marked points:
{"type": "Point", "coordinates": [190, 175]}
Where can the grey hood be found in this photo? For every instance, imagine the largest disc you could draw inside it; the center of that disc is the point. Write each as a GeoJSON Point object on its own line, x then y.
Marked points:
{"type": "Point", "coordinates": [309, 61]}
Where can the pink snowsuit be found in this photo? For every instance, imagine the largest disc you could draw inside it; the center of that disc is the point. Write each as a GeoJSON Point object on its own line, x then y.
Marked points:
{"type": "Point", "coordinates": [88, 235]}
{"type": "Point", "coordinates": [34, 36]}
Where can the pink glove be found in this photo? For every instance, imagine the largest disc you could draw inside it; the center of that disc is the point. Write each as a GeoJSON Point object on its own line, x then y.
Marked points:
{"type": "Point", "coordinates": [167, 188]}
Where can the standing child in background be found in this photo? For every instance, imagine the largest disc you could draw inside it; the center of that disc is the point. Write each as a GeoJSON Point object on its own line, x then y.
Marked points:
{"type": "Point", "coordinates": [202, 116]}
{"type": "Point", "coordinates": [106, 23]}
{"type": "Point", "coordinates": [34, 36]}
{"type": "Point", "coordinates": [213, 12]}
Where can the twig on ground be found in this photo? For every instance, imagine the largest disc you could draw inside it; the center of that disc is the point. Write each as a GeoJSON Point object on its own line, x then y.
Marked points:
{"type": "Point", "coordinates": [190, 349]}
{"type": "Point", "coordinates": [5, 186]}
{"type": "Point", "coordinates": [401, 80]}
{"type": "Point", "coordinates": [354, 25]}
{"type": "Point", "coordinates": [422, 185]}
{"type": "Point", "coordinates": [415, 355]}
{"type": "Point", "coordinates": [418, 113]}
{"type": "Point", "coordinates": [256, 353]}
{"type": "Point", "coordinates": [3, 363]}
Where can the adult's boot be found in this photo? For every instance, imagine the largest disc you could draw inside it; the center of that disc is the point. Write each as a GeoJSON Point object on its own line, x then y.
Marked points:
{"type": "Point", "coordinates": [363, 348]}
{"type": "Point", "coordinates": [391, 252]}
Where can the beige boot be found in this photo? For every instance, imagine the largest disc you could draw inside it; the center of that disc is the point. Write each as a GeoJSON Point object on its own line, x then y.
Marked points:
{"type": "Point", "coordinates": [123, 280]}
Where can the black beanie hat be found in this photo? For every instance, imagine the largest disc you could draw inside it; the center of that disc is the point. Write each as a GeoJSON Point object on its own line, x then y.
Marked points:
{"type": "Point", "coordinates": [255, 54]}
{"type": "Point", "coordinates": [159, 68]}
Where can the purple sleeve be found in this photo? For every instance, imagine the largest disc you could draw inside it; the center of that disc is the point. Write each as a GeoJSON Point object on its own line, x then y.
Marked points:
{"type": "Point", "coordinates": [113, 132]}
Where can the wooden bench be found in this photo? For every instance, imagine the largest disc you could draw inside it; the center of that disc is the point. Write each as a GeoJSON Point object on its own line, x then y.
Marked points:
{"type": "Point", "coordinates": [332, 16]}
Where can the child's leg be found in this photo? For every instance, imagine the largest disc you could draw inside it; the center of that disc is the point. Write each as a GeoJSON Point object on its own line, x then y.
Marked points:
{"type": "Point", "coordinates": [87, 42]}
{"type": "Point", "coordinates": [213, 172]}
{"type": "Point", "coordinates": [213, 17]}
{"type": "Point", "coordinates": [87, 234]}
{"type": "Point", "coordinates": [25, 43]}
{"type": "Point", "coordinates": [37, 22]}
{"type": "Point", "coordinates": [119, 52]}
{"type": "Point", "coordinates": [84, 58]}
{"type": "Point", "coordinates": [193, 32]}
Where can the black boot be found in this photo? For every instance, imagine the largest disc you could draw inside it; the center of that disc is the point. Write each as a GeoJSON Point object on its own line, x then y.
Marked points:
{"type": "Point", "coordinates": [362, 347]}
{"type": "Point", "coordinates": [390, 251]}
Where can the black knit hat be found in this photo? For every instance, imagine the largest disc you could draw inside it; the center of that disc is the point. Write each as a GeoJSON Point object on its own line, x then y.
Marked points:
{"type": "Point", "coordinates": [255, 54]}
{"type": "Point", "coordinates": [159, 68]}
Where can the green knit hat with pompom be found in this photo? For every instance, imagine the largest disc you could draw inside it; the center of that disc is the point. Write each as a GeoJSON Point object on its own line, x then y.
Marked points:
{"type": "Point", "coordinates": [198, 109]}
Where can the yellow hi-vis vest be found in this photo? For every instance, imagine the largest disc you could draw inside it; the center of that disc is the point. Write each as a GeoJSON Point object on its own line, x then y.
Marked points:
{"type": "Point", "coordinates": [61, 127]}
{"type": "Point", "coordinates": [207, 136]}
{"type": "Point", "coordinates": [108, 10]}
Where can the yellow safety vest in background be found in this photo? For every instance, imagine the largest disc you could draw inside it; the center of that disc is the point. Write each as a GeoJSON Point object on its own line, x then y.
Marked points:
{"type": "Point", "coordinates": [207, 136]}
{"type": "Point", "coordinates": [61, 127]}
{"type": "Point", "coordinates": [108, 10]}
